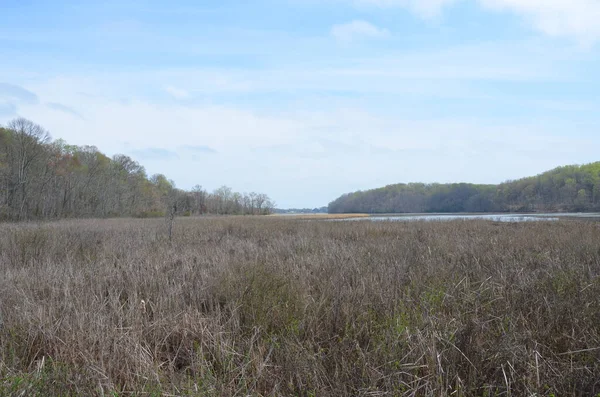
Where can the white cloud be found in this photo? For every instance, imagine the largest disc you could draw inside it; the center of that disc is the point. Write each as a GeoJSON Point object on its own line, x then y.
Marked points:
{"type": "Point", "coordinates": [578, 19]}
{"type": "Point", "coordinates": [350, 31]}
{"type": "Point", "coordinates": [177, 93]}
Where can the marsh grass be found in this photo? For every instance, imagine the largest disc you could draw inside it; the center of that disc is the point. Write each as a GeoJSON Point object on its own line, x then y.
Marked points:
{"type": "Point", "coordinates": [275, 306]}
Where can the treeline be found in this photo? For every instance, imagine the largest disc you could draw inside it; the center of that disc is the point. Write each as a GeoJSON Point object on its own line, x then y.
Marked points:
{"type": "Point", "coordinates": [45, 179]}
{"type": "Point", "coordinates": [569, 188]}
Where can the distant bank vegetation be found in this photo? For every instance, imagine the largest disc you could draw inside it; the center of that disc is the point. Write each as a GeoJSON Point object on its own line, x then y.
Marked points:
{"type": "Point", "coordinates": [568, 188]}
{"type": "Point", "coordinates": [45, 179]}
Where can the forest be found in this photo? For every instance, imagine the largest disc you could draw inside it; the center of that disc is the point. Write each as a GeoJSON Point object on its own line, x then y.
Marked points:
{"type": "Point", "coordinates": [563, 189]}
{"type": "Point", "coordinates": [41, 178]}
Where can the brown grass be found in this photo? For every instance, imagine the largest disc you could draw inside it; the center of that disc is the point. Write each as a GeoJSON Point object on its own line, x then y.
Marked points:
{"type": "Point", "coordinates": [275, 306]}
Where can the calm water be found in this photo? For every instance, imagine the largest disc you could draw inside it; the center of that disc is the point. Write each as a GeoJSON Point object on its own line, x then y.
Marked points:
{"type": "Point", "coordinates": [490, 217]}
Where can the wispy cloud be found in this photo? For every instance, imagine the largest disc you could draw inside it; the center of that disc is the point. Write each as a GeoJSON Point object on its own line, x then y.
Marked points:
{"type": "Point", "coordinates": [357, 29]}
{"type": "Point", "coordinates": [199, 149]}
{"type": "Point", "coordinates": [177, 93]}
{"type": "Point", "coordinates": [17, 94]}
{"type": "Point", "coordinates": [65, 109]}
{"type": "Point", "coordinates": [155, 154]}
{"type": "Point", "coordinates": [11, 96]}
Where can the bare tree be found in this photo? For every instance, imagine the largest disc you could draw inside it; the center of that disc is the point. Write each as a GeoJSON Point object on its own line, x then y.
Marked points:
{"type": "Point", "coordinates": [199, 200]}
{"type": "Point", "coordinates": [25, 152]}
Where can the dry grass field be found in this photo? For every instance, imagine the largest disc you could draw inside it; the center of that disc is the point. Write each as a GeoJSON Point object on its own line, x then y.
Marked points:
{"type": "Point", "coordinates": [289, 307]}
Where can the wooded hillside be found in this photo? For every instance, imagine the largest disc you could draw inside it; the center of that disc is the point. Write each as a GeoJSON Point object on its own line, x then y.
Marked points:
{"type": "Point", "coordinates": [568, 188]}
{"type": "Point", "coordinates": [45, 179]}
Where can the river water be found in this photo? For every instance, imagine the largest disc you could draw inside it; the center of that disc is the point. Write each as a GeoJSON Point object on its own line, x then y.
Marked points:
{"type": "Point", "coordinates": [490, 217]}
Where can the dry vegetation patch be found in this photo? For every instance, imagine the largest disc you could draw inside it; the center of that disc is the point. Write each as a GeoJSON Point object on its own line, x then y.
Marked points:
{"type": "Point", "coordinates": [321, 216]}
{"type": "Point", "coordinates": [277, 306]}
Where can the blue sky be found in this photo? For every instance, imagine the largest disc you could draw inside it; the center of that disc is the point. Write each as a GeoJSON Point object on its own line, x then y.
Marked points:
{"type": "Point", "coordinates": [304, 99]}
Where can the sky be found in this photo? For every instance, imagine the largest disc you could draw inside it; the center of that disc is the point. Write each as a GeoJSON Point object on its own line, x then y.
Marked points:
{"type": "Point", "coordinates": [308, 99]}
